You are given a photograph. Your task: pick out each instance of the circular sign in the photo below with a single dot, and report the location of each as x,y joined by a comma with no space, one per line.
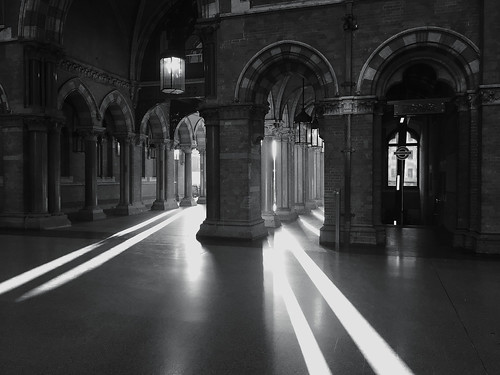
402,152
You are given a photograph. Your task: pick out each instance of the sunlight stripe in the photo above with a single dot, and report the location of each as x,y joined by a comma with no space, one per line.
315,361
377,352
318,215
310,227
25,277
97,261
32,274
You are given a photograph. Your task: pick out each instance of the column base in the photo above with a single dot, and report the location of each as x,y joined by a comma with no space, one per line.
327,236
128,209
247,231
169,204
482,243
286,214
34,221
271,220
311,205
187,202
361,235
319,203
202,200
301,209
91,214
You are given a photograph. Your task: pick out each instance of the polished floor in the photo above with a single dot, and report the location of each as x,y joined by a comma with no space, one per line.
140,295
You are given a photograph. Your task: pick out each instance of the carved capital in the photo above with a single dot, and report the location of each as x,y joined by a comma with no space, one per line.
271,128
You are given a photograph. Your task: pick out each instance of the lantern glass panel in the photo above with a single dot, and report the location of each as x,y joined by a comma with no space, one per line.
172,75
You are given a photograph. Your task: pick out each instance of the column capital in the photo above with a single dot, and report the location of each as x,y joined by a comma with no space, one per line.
467,101
42,123
186,149
139,139
125,137
159,141
90,133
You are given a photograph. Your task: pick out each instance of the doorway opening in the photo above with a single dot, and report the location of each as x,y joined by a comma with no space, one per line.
421,151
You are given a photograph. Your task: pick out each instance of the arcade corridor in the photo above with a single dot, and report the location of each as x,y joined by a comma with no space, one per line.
140,295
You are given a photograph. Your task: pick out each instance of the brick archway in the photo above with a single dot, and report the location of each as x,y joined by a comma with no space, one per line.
43,19
256,79
455,50
158,119
120,110
87,111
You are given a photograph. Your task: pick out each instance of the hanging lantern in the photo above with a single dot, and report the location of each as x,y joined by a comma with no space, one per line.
316,140
302,124
151,151
303,128
172,72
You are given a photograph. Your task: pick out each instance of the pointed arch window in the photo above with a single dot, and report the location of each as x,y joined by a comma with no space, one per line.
411,163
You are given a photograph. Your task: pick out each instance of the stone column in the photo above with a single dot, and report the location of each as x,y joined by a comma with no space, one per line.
159,203
284,175
300,169
136,153
345,159
188,199
212,124
14,160
310,176
54,176
124,204
485,156
170,202
38,168
271,220
379,148
202,199
91,211
318,198
241,128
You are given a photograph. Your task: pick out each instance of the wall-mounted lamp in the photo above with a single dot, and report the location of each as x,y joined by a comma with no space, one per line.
350,22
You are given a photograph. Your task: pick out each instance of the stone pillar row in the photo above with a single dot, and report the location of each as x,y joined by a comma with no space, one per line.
33,198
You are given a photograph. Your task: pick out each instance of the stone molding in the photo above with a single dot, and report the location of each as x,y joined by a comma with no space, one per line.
95,74
347,105
489,95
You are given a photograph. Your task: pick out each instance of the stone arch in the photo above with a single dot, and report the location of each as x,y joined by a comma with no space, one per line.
43,19
454,52
280,58
157,117
84,102
200,134
4,102
184,134
120,111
